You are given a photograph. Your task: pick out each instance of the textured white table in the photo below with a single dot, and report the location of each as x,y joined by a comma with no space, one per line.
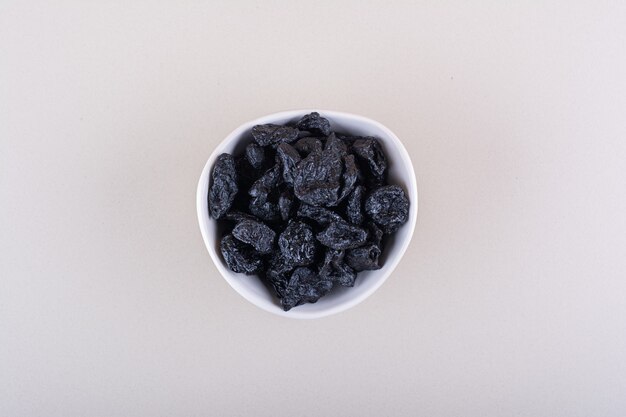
510,302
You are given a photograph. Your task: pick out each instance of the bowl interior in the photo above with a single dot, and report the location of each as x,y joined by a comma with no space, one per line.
340,298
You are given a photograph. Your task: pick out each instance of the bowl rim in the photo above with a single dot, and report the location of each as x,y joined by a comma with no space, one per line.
203,216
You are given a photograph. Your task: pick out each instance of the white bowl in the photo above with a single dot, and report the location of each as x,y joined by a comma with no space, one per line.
340,298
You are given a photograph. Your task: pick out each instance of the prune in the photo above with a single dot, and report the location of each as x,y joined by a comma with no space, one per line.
341,235
278,273
388,207
305,286
314,123
255,155
372,158
297,243
375,234
271,134
288,158
363,258
237,216
319,214
267,183
317,179
313,219
240,257
224,187
335,146
285,204
335,269
256,234
350,175
354,207
307,145
264,209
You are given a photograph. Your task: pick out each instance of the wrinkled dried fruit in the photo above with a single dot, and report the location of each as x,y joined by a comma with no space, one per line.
317,179
307,145
224,187
237,216
371,158
315,124
285,205
278,273
335,269
388,206
341,235
375,234
319,214
350,175
297,243
335,146
240,257
288,158
305,286
255,155
364,258
271,134
256,234
354,207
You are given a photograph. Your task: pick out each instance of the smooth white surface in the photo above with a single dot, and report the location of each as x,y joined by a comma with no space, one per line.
400,172
509,302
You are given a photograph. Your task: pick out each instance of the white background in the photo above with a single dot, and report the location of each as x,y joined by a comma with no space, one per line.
511,300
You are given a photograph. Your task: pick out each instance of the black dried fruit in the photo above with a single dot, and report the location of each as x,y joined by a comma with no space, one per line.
320,215
341,235
307,145
256,234
271,134
350,175
335,146
314,123
255,155
240,257
388,207
354,207
285,204
372,158
305,286
288,158
312,220
297,243
363,258
278,273
317,179
237,216
223,187
335,269
375,234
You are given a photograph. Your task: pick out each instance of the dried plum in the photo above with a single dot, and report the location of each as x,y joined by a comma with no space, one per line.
363,258
388,207
317,179
354,207
307,145
319,214
240,257
335,269
375,234
224,187
285,204
255,155
271,134
372,158
237,216
297,243
350,175
314,123
278,273
341,235
288,158
256,234
305,286
335,146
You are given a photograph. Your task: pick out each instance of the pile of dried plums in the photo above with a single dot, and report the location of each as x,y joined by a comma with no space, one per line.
305,208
